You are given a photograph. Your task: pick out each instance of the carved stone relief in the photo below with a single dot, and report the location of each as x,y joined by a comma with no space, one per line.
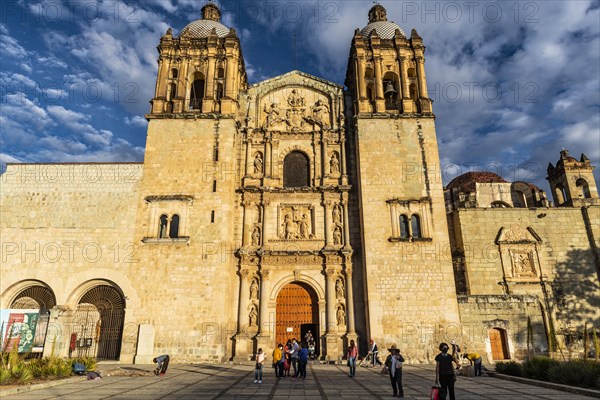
522,263
258,164
294,113
253,316
334,164
256,236
296,222
339,288
337,235
254,289
341,315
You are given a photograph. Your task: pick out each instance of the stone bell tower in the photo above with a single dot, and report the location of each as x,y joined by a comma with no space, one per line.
405,253
200,71
572,182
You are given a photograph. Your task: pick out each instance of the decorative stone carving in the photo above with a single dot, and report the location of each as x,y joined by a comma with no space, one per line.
337,214
334,164
337,236
292,260
341,315
295,118
273,116
515,234
320,114
522,263
253,316
258,163
256,236
339,288
254,290
297,222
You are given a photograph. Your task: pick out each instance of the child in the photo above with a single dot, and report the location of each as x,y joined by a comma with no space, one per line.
163,364
260,359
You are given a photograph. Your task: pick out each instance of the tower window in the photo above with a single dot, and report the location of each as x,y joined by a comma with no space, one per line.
404,230
584,188
174,228
172,91
162,226
220,73
411,73
296,167
560,195
174,73
413,91
197,92
415,226
212,217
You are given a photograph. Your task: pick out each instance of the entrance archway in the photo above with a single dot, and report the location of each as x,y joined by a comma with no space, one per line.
499,344
297,311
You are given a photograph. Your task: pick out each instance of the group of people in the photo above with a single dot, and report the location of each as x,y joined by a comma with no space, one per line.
293,355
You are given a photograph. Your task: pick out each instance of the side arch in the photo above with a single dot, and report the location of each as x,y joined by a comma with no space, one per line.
313,283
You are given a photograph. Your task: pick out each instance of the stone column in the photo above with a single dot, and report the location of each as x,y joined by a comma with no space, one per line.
395,221
421,77
346,221
350,302
268,157
246,221
403,78
230,63
264,205
248,155
323,158
378,78
264,333
331,300
242,337
362,88
327,218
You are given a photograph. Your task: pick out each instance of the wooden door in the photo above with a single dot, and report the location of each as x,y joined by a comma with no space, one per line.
296,305
498,343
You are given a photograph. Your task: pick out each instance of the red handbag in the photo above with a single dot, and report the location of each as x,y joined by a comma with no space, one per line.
435,393
286,365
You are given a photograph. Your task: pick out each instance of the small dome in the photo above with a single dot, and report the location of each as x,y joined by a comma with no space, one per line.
466,182
378,22
201,28
385,29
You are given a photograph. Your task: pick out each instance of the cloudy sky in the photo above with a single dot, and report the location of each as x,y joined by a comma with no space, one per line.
513,82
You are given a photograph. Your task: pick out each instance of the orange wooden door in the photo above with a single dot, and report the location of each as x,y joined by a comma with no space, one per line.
296,305
498,343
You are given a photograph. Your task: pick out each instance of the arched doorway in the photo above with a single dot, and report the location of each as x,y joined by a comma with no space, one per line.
37,297
98,324
297,312
499,344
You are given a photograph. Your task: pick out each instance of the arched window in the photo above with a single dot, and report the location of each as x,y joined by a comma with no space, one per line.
559,193
220,73
520,200
404,230
197,92
415,226
584,188
390,88
413,91
174,73
162,226
411,73
174,228
296,167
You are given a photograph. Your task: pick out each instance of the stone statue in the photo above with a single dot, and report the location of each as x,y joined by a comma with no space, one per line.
321,114
334,164
253,316
273,115
254,289
258,163
339,288
289,227
295,100
256,236
303,224
341,315
337,215
337,236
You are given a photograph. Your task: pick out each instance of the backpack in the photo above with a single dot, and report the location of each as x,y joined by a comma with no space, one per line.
78,369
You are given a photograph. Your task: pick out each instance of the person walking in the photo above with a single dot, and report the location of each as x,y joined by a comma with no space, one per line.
294,356
278,359
258,370
476,362
302,361
352,354
393,362
163,364
373,352
444,372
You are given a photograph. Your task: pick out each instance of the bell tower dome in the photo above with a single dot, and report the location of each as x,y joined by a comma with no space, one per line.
202,70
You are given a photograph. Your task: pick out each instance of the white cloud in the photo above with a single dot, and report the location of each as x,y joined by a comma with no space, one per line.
9,46
136,121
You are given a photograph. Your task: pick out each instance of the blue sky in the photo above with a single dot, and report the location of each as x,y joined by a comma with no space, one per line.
513,82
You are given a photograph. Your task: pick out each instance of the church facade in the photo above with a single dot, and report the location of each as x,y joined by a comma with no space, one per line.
265,211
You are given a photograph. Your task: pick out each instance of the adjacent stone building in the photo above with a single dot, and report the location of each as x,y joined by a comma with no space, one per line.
264,211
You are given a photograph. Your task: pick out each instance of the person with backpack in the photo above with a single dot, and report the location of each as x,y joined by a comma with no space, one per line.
445,375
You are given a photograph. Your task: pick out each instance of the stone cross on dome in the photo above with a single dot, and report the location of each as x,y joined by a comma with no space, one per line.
377,13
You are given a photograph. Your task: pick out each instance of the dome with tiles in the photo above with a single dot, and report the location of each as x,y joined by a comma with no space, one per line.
201,28
378,22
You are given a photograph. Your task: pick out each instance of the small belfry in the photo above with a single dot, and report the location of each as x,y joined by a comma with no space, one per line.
386,70
202,70
572,182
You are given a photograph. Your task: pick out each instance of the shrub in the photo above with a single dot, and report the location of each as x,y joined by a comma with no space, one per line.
538,367
577,373
509,368
4,375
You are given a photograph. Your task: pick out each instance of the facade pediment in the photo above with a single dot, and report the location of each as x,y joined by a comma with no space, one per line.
294,102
